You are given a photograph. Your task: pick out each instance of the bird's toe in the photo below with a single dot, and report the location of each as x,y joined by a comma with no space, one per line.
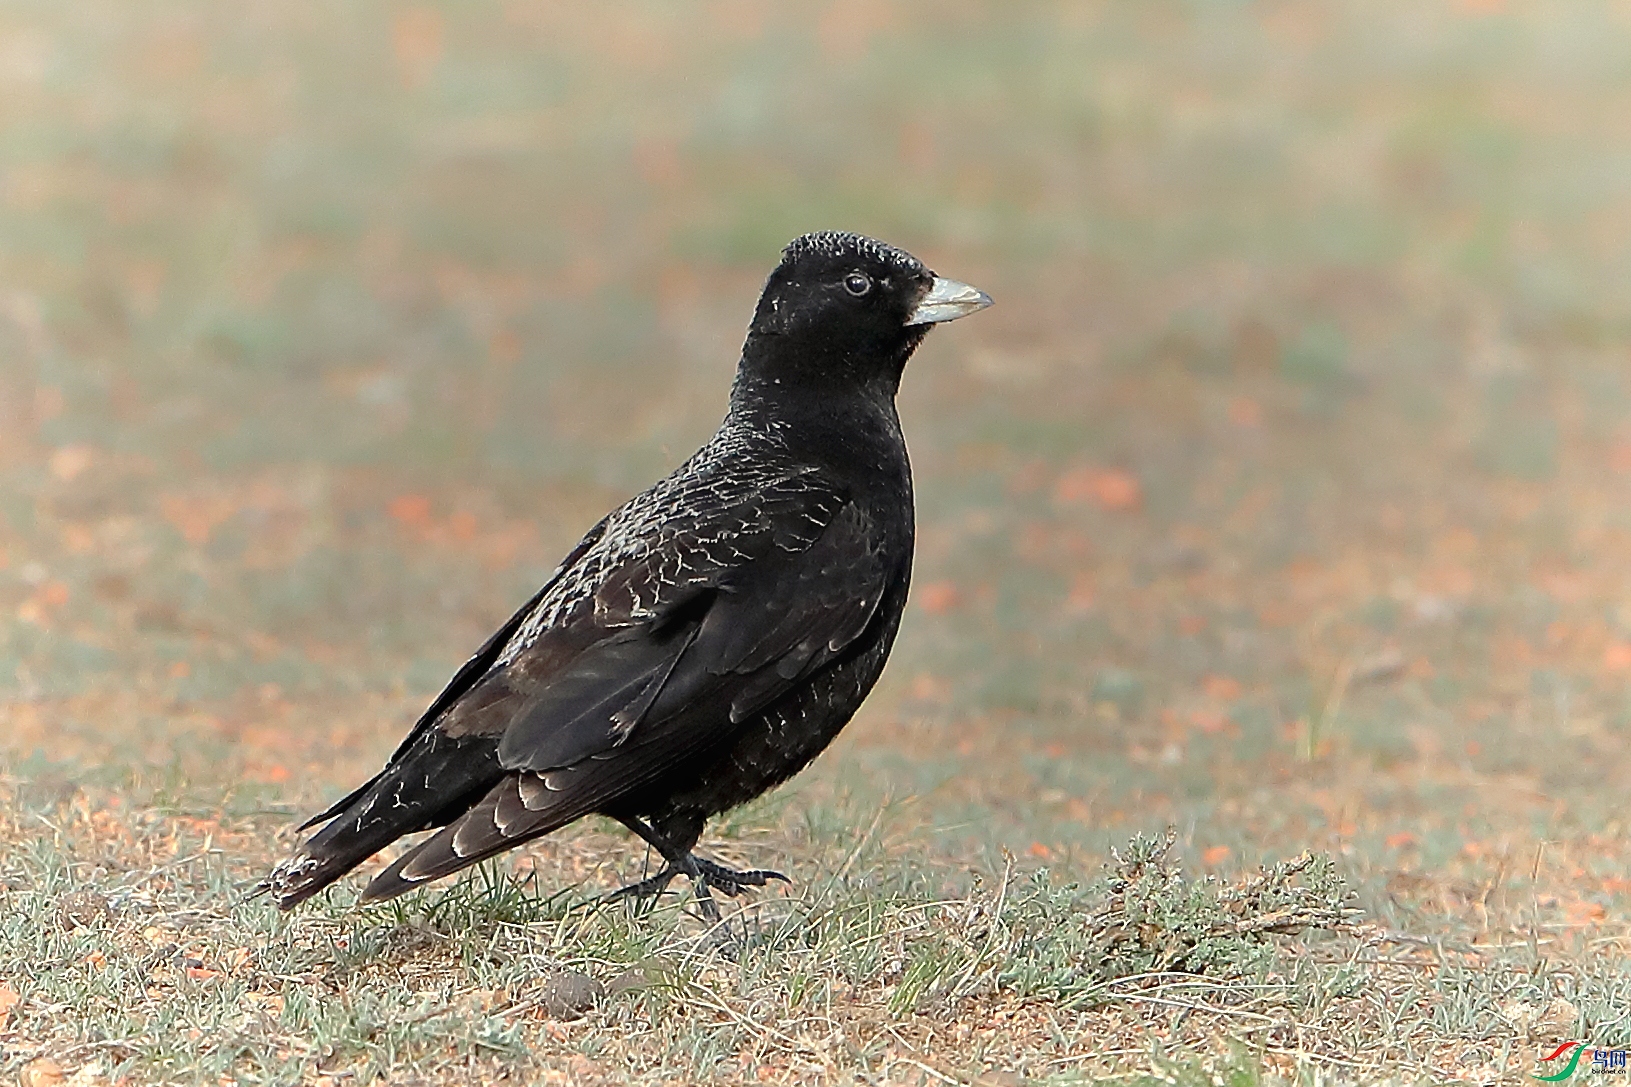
733,882
646,888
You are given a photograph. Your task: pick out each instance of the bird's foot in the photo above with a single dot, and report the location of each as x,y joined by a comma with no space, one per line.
707,875
704,875
646,888
729,880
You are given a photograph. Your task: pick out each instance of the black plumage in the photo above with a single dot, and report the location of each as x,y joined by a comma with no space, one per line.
705,640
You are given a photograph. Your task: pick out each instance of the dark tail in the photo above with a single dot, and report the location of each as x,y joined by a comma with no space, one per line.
521,807
517,810
430,784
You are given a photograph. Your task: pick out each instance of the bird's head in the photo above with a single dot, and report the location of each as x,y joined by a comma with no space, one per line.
845,306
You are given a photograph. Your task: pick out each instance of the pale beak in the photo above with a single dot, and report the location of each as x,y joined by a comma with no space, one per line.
948,300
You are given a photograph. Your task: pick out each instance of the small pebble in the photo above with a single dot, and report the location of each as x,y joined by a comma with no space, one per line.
83,909
570,993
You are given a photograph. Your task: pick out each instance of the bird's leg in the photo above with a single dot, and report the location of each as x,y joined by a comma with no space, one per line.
650,887
645,888
678,862
703,873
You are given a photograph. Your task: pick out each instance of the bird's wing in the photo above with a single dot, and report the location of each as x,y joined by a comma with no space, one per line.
740,600
677,644
746,625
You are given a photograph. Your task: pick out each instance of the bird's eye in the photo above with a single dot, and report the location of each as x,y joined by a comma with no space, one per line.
857,284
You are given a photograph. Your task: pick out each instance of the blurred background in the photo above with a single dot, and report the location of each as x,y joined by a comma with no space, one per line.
1283,494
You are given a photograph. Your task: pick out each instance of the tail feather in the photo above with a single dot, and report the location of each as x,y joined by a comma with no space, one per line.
429,785
518,809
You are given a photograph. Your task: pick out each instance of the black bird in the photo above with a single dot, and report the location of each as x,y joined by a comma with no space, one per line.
709,637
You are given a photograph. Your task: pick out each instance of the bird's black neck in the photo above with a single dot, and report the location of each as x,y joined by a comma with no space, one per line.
820,365
840,425
826,403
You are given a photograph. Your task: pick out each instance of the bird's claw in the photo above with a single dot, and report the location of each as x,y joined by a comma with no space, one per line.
646,888
705,874
731,881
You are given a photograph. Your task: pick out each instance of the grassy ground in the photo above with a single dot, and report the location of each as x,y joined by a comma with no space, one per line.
1281,500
